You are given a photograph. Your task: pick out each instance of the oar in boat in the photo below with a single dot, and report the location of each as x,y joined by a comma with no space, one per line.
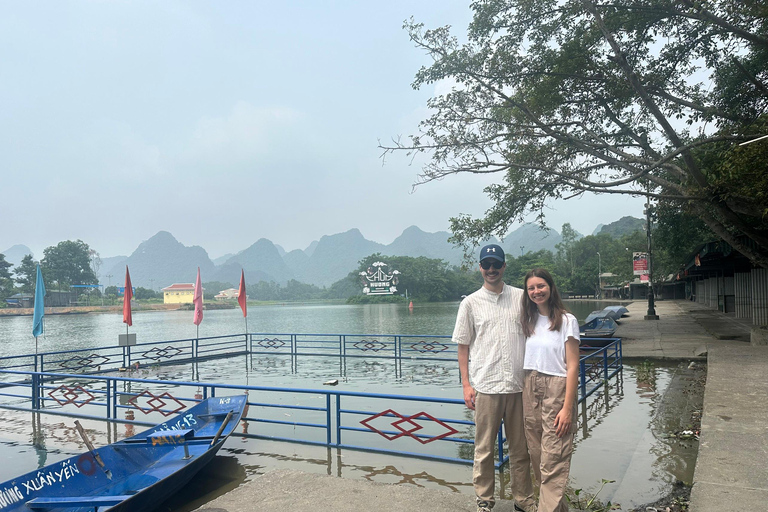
95,455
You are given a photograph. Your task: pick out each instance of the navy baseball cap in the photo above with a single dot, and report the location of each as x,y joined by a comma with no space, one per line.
492,251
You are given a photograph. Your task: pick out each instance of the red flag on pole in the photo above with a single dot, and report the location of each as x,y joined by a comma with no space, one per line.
241,296
127,296
198,300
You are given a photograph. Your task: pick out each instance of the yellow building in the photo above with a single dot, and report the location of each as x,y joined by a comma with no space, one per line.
179,293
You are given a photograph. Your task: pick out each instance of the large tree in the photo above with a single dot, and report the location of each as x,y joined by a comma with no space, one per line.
26,274
639,97
68,263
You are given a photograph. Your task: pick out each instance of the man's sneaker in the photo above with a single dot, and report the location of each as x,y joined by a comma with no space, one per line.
532,508
483,506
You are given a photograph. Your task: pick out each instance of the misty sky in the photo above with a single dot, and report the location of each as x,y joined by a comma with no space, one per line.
223,122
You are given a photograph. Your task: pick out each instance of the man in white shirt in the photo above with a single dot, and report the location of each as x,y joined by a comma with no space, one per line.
491,348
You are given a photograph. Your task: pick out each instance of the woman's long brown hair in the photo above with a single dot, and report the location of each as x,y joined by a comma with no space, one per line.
531,311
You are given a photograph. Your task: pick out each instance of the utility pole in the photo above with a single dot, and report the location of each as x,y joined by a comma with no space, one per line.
599,279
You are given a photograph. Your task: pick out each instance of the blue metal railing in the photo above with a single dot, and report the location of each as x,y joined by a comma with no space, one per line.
425,432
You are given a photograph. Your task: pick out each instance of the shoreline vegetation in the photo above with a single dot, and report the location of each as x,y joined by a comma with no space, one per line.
152,306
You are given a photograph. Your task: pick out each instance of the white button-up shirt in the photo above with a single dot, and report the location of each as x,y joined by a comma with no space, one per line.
490,324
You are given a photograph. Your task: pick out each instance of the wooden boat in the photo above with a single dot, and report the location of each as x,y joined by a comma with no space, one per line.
602,327
132,475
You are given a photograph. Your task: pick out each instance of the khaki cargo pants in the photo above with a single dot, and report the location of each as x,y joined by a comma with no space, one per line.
489,411
543,398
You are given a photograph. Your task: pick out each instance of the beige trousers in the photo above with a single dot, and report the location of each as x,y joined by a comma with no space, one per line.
489,411
543,398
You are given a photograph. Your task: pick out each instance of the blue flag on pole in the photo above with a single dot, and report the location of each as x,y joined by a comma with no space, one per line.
37,319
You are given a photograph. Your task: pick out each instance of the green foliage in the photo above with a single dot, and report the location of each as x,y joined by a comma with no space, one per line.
575,266
6,283
562,98
293,291
676,234
145,294
68,263
26,274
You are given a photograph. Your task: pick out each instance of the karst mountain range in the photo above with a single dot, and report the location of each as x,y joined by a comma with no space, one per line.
162,260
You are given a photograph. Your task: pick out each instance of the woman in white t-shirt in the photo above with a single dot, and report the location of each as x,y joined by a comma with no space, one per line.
551,381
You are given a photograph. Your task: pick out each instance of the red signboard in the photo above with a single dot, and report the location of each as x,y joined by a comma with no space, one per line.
640,263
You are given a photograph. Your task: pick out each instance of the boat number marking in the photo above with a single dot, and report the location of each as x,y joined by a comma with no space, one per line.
224,401
183,423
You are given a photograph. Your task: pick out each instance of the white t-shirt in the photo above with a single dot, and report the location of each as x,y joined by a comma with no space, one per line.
545,349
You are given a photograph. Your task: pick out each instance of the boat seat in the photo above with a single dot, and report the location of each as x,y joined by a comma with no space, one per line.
75,501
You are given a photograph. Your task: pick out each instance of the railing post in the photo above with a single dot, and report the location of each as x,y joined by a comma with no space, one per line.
338,419
605,364
109,399
114,399
35,391
328,419
128,356
583,377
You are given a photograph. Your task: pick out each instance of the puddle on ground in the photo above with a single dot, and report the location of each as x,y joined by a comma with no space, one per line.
630,433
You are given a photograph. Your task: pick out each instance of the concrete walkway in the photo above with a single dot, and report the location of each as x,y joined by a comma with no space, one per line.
731,472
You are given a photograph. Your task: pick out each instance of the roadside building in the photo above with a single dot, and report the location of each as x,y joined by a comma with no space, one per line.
179,293
720,277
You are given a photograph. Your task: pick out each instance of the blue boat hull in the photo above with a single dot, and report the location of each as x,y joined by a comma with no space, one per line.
138,473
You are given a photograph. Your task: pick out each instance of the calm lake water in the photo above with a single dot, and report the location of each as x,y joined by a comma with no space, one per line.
63,332
623,436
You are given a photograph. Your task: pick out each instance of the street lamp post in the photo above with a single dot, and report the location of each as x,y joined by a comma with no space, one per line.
599,278
651,315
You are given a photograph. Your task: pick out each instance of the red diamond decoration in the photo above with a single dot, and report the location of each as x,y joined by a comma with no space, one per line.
156,403
410,431
71,395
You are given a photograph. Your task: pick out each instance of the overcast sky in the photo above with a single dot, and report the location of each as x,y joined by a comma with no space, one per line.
222,122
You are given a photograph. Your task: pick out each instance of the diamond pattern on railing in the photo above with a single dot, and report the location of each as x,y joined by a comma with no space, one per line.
78,362
426,346
274,343
372,345
159,353
411,426
77,395
153,403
